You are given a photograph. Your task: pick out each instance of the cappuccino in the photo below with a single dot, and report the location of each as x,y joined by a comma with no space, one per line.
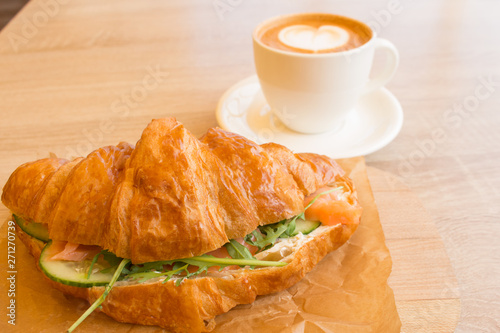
313,33
308,81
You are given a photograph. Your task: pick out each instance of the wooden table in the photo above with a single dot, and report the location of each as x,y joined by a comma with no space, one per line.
76,75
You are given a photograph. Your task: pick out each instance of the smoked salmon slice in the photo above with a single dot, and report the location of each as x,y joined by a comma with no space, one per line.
73,252
332,208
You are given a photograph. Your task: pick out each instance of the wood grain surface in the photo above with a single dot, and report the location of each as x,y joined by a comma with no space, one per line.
424,284
76,75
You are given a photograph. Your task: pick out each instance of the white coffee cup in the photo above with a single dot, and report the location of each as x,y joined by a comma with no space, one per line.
311,91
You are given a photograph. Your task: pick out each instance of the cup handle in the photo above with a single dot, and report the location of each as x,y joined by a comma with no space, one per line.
390,67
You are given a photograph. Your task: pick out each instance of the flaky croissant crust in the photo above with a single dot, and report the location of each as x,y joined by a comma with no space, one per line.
170,197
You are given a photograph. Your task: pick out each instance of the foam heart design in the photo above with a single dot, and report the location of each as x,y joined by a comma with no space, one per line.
309,38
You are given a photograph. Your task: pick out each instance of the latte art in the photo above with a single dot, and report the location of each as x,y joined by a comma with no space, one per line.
313,39
313,33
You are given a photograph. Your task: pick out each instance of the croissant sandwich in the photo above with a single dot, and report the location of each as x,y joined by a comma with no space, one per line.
177,230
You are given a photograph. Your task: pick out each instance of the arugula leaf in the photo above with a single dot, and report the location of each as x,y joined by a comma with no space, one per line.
111,258
259,238
155,269
238,251
203,266
145,275
266,235
272,232
149,266
230,261
291,228
94,260
101,299
112,268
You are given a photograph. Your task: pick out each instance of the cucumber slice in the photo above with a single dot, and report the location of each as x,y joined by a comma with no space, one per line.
34,229
305,226
74,273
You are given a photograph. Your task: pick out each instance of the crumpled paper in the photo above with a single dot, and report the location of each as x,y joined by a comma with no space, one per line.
346,292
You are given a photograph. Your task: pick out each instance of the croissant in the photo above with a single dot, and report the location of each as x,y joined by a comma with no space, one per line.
175,196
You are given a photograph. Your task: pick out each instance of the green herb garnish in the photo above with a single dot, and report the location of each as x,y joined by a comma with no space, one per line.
94,260
113,260
145,275
101,299
238,251
265,236
156,269
229,262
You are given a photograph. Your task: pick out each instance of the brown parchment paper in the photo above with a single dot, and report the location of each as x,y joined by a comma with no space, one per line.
346,292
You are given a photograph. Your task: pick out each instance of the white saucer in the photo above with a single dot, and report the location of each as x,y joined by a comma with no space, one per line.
374,123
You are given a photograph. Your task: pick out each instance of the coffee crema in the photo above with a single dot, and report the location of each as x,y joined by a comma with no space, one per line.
313,33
